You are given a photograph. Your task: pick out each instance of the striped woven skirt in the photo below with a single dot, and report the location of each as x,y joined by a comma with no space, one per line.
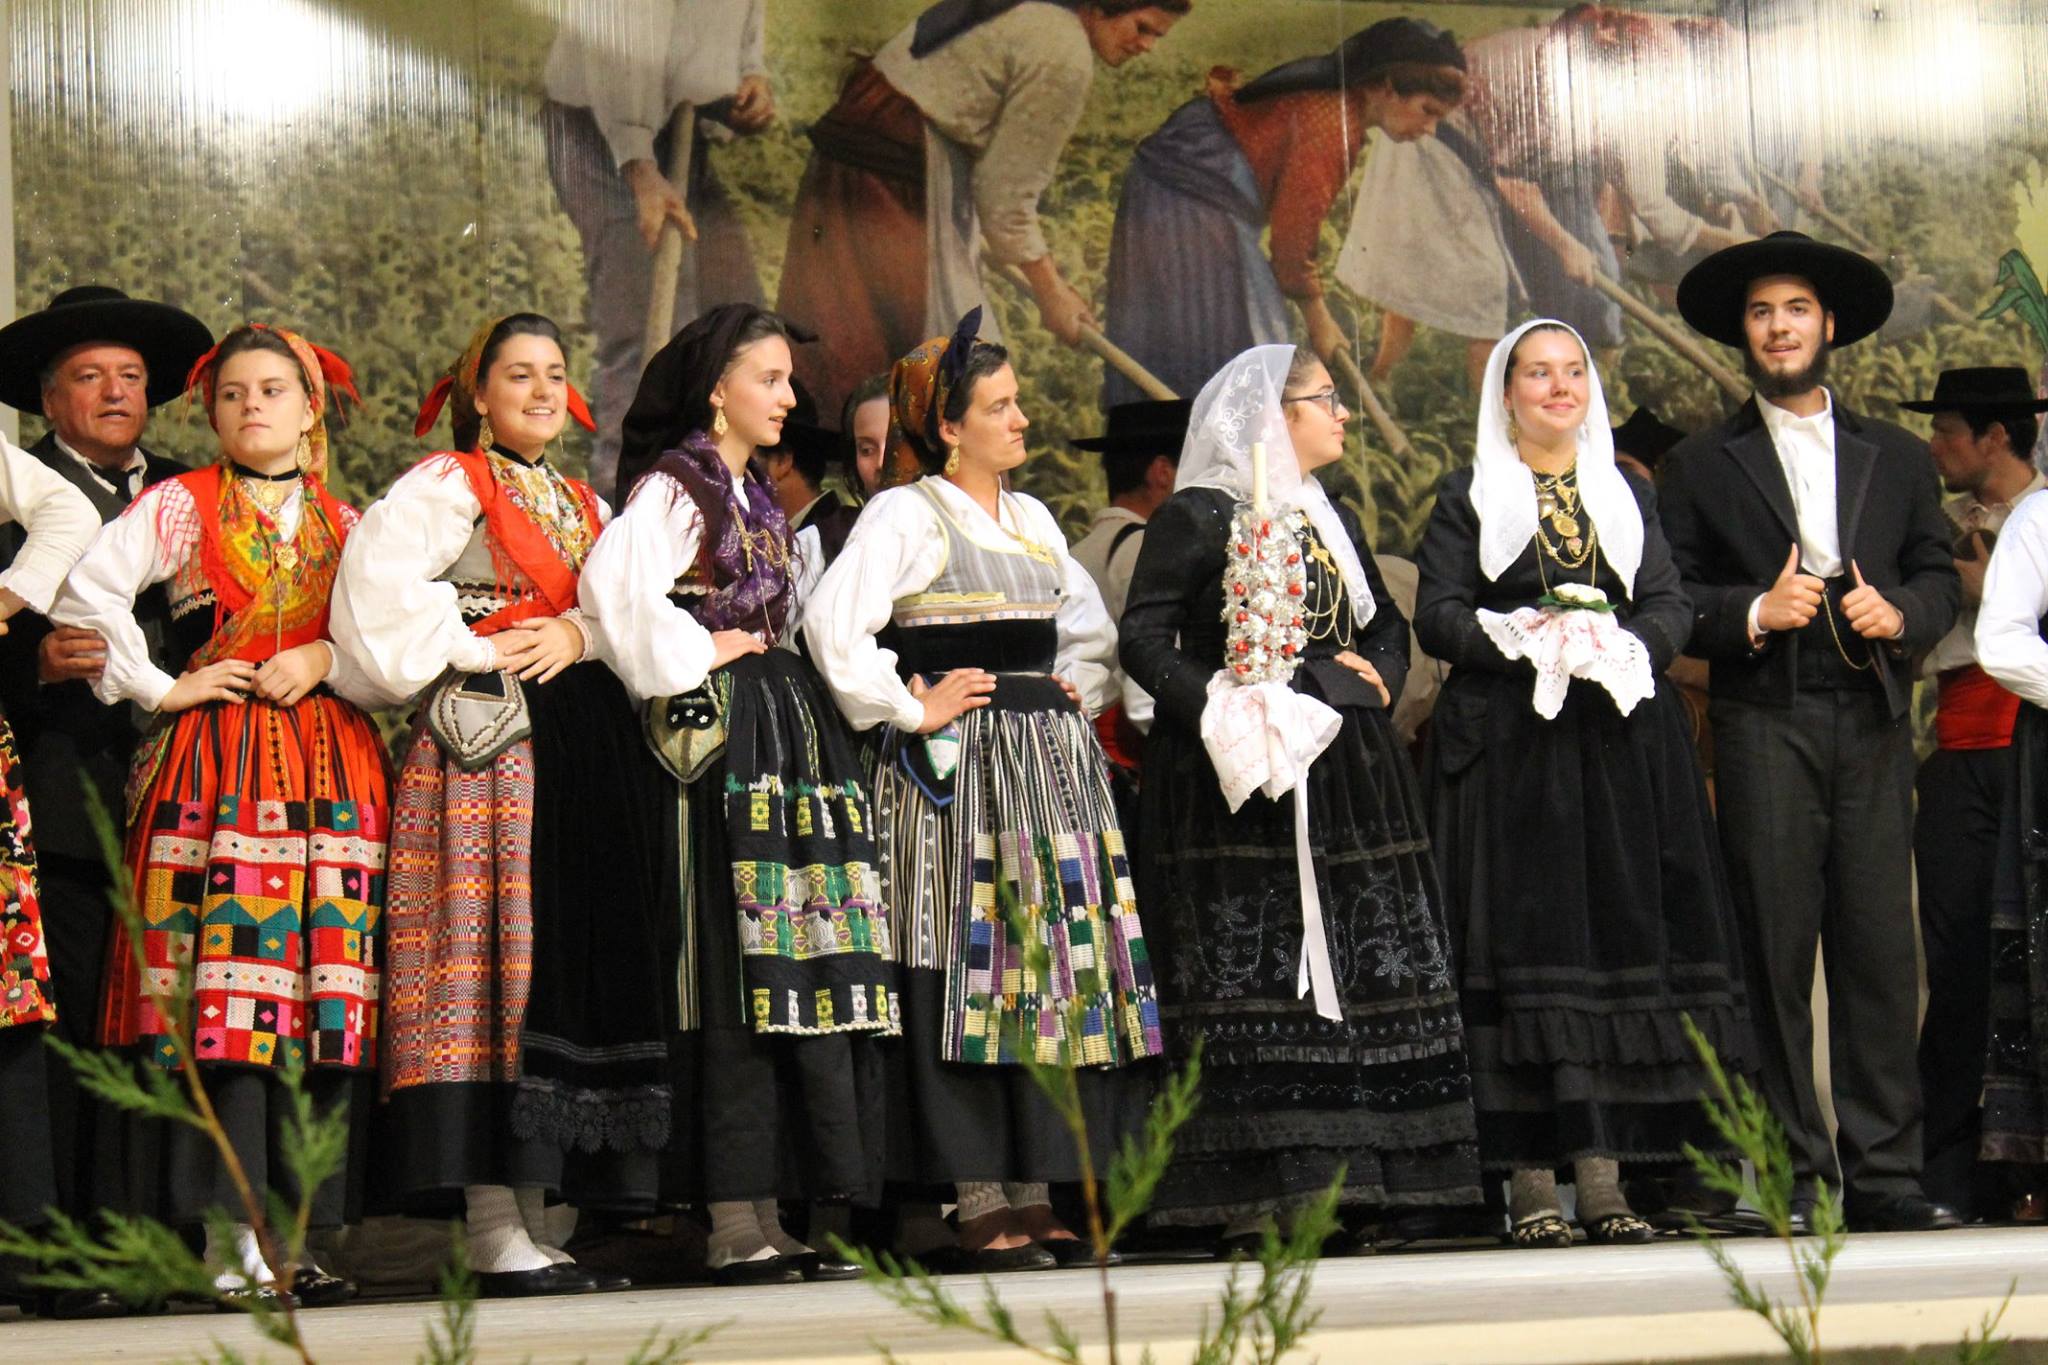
25,996
1013,834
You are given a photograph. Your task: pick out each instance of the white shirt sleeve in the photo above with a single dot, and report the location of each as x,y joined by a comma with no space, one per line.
2009,643
1043,104
656,648
1087,648
59,520
152,540
400,626
896,549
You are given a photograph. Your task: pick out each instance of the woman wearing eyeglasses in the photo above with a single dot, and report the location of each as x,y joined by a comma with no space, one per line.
1299,935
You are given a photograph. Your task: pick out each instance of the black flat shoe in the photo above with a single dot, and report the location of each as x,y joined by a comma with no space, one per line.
1899,1213
564,1278
607,1281
86,1305
1074,1251
767,1270
990,1261
818,1268
318,1289
1619,1230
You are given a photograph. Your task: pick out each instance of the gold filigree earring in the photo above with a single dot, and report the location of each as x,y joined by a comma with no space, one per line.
719,425
952,460
305,456
485,437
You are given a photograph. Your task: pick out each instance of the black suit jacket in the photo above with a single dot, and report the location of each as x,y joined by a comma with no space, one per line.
1728,514
62,730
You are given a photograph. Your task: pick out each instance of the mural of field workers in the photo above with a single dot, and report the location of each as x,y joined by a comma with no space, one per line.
1177,179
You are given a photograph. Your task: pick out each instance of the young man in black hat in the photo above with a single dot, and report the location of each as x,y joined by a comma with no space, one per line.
1985,421
1812,543
92,364
1140,455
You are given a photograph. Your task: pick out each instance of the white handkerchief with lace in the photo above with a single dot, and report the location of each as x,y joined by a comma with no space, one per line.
1566,644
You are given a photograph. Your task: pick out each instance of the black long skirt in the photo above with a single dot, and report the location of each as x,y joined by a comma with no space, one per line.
2016,1067
1589,915
1288,1098
762,1114
592,1034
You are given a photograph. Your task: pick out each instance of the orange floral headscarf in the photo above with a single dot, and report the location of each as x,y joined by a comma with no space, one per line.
324,373
919,385
458,382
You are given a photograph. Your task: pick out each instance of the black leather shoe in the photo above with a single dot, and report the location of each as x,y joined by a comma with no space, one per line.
818,1268
1900,1213
1070,1252
607,1281
990,1261
767,1270
318,1289
564,1278
84,1305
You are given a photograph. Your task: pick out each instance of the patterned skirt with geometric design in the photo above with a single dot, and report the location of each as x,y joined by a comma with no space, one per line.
256,842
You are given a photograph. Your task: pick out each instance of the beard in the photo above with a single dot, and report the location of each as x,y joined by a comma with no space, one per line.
1777,387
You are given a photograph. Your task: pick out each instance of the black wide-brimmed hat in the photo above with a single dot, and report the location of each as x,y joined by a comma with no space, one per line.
815,448
1151,427
1983,388
168,339
1646,436
1713,293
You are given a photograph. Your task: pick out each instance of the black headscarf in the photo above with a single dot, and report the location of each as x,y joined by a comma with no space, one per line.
674,397
1358,58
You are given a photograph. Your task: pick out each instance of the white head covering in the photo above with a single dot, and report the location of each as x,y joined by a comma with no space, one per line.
1239,407
1504,491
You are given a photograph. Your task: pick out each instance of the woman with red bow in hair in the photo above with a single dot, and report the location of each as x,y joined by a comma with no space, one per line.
259,802
524,1052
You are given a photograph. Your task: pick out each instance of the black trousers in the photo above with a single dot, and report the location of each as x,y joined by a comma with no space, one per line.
62,1146
1816,815
1955,850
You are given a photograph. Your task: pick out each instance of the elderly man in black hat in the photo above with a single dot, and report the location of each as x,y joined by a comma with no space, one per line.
1812,543
1984,424
92,364
1140,452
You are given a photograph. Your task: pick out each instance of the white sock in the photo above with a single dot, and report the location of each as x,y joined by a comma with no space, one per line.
240,1258
735,1235
1028,1196
768,1217
533,1216
979,1198
560,1223
498,1243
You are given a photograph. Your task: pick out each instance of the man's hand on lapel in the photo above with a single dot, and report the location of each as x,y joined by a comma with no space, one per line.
1793,600
1868,614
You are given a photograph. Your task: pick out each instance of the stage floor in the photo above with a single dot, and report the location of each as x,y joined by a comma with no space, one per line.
1660,1302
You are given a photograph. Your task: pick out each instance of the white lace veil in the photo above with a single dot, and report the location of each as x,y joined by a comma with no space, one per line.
1504,491
1238,407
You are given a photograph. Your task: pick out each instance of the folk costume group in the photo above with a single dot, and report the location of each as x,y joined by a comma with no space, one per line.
743,838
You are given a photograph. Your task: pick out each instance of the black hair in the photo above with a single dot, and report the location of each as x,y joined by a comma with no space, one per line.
466,424
1408,79
1125,470
2022,429
873,387
982,361
1117,8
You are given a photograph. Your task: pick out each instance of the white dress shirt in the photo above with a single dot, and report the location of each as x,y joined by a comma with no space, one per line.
1966,514
128,476
2009,643
1806,452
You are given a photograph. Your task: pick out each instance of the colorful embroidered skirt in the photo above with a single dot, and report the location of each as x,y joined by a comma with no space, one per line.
256,841
815,947
25,996
525,982
1017,826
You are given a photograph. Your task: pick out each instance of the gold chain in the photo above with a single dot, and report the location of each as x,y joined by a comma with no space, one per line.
1322,611
1828,605
1557,508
